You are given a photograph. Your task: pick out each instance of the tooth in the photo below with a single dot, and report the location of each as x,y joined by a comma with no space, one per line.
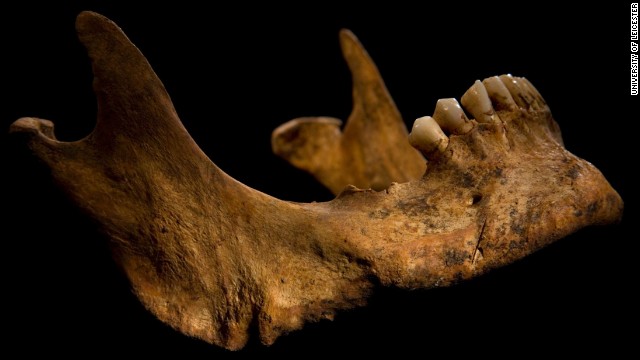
427,136
499,94
450,116
519,92
534,92
528,93
477,102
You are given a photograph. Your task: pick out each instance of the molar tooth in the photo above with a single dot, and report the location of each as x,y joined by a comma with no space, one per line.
427,136
450,116
499,94
477,102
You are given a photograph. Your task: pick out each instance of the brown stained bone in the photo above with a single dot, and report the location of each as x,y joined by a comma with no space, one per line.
372,152
218,260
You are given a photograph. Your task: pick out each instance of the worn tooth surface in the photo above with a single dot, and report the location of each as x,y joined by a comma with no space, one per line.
476,101
451,118
427,136
499,94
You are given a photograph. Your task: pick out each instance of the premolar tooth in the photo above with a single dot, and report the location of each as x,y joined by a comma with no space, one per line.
499,94
450,116
427,136
477,102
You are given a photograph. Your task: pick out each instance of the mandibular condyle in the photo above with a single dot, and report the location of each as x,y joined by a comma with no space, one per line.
465,192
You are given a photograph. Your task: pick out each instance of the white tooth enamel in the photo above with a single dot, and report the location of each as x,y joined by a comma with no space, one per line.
427,136
450,116
499,93
477,102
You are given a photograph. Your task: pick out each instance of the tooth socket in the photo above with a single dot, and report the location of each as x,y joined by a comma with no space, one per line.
427,136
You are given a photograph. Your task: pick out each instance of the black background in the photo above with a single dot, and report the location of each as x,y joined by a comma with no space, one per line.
234,75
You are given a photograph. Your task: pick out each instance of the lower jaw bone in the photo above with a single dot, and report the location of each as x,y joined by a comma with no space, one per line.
214,258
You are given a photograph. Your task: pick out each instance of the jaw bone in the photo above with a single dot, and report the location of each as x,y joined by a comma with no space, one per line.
218,260
371,152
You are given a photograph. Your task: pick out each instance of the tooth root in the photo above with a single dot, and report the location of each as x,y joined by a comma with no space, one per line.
519,92
477,102
427,136
451,118
499,94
